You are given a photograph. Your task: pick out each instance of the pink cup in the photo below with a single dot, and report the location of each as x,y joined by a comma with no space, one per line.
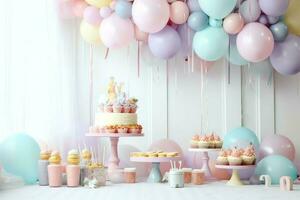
73,175
55,175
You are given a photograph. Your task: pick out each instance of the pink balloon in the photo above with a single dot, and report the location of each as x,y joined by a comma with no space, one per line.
79,7
116,32
91,15
277,144
112,4
150,16
166,145
255,42
124,155
233,23
179,12
105,12
140,35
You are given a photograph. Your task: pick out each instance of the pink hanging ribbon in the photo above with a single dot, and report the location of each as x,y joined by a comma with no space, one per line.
91,80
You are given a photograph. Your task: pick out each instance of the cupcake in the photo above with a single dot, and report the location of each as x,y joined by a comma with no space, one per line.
134,129
248,156
222,158
217,141
108,108
55,158
235,157
122,129
126,108
194,141
117,108
73,157
110,129
133,107
45,155
203,142
211,139
140,129
86,155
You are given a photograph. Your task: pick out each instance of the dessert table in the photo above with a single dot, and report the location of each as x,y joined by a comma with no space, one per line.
151,191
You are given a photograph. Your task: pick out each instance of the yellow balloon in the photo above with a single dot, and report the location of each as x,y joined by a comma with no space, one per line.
90,33
99,3
292,17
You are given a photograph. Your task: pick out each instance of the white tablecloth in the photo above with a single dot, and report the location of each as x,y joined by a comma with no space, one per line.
149,191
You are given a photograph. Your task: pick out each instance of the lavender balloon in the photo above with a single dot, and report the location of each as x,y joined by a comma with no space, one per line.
285,58
193,5
274,7
186,35
250,10
263,19
165,43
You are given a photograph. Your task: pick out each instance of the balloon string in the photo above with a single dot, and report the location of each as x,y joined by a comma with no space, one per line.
106,53
91,87
138,59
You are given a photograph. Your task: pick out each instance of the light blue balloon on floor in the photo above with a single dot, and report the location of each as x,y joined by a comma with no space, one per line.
123,9
276,166
240,137
19,155
211,43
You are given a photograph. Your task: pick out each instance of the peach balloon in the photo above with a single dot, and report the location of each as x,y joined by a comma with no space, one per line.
112,5
220,174
79,7
179,12
233,23
140,35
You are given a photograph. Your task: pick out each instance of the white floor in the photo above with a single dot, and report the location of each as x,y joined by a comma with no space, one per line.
145,191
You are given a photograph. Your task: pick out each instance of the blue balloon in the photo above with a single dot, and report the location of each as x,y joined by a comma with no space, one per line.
272,19
123,9
279,31
240,137
276,166
19,155
193,5
198,21
233,55
217,9
211,43
215,22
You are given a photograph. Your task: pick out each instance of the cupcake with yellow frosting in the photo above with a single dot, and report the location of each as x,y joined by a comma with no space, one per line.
45,155
55,158
73,157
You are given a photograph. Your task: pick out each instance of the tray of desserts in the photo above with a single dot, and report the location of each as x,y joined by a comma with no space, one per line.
237,156
154,156
208,141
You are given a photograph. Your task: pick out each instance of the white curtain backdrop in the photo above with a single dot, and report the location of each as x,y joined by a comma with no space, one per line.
39,74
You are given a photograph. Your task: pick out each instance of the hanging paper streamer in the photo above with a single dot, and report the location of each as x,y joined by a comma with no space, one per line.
106,53
91,80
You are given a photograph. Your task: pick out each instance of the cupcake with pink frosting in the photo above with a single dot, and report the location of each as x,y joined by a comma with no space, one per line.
249,156
222,158
194,141
217,141
117,108
203,142
108,108
235,157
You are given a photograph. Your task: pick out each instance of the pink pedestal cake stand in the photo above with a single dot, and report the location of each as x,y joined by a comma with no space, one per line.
235,177
114,140
205,158
155,174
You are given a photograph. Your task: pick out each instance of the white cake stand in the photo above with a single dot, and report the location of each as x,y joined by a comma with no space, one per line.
114,140
235,177
205,159
155,174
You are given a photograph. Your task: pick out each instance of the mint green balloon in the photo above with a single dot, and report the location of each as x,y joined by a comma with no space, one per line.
240,137
19,155
233,55
276,166
211,43
217,9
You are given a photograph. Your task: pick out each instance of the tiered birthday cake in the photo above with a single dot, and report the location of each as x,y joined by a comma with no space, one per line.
117,114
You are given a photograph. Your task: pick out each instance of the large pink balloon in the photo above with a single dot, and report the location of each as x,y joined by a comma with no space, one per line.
150,16
166,145
255,42
116,32
79,7
277,144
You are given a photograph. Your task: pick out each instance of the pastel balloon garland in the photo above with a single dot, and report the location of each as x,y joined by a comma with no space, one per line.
242,30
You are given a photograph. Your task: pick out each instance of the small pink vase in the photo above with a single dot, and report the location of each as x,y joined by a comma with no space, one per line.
55,175
73,175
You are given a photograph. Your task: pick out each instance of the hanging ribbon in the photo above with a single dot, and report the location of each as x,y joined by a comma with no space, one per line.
106,53
91,80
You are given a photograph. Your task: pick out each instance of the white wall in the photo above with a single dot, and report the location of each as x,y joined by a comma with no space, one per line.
170,96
